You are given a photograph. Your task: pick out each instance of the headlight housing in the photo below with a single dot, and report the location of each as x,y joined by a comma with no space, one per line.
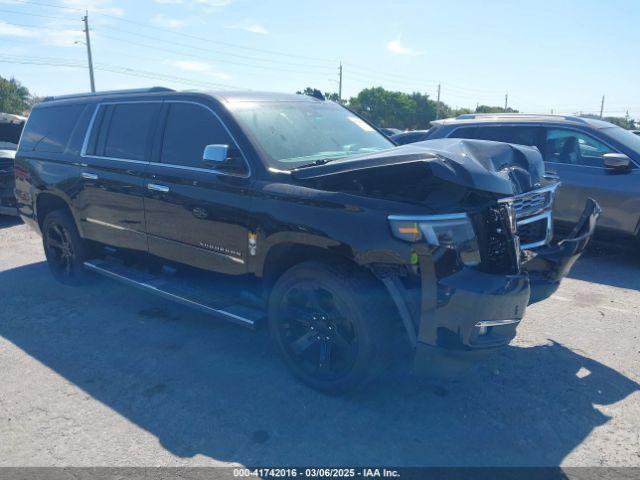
451,231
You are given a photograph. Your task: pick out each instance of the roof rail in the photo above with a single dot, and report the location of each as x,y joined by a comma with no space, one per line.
473,116
109,92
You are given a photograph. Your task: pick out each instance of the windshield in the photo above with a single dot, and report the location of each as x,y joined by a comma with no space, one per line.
291,134
627,138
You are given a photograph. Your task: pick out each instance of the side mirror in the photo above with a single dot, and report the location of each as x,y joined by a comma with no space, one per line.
215,154
616,161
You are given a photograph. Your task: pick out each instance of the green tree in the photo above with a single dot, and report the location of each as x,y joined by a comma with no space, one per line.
490,109
386,108
14,97
334,97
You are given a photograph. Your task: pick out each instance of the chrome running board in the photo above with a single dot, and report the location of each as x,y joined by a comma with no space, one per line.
167,288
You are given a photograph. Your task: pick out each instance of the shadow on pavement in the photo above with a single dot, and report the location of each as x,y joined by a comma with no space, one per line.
205,387
7,221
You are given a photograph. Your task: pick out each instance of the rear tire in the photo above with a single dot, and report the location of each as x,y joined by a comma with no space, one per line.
332,325
65,250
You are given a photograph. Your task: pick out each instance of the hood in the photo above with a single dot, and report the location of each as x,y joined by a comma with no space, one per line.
495,167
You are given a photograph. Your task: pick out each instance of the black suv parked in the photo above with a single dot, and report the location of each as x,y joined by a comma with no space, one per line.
258,206
593,159
10,130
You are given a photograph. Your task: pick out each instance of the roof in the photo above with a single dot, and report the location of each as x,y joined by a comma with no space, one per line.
476,118
251,96
222,96
11,118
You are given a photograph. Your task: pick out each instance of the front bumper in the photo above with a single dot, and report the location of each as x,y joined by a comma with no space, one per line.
468,314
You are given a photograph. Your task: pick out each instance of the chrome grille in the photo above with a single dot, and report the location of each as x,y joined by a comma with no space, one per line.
532,203
533,215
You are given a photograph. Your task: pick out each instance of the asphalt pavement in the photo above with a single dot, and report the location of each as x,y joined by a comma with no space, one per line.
106,375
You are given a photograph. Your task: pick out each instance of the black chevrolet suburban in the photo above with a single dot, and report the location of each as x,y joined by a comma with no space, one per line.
297,212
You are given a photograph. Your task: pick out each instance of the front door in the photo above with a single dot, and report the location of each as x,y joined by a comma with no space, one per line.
197,214
114,162
577,158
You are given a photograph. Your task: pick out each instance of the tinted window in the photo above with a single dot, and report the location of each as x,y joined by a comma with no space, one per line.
189,129
49,128
126,129
568,146
410,138
509,134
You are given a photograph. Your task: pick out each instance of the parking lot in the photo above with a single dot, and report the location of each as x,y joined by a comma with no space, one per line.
107,375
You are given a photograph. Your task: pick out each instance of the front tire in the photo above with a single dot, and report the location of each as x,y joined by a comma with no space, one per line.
331,324
64,248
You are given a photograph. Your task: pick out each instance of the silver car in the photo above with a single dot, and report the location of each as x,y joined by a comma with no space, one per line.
593,159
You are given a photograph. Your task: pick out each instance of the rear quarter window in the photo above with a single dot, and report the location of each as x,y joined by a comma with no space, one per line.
49,128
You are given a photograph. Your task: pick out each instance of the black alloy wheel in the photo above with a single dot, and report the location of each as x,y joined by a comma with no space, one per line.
332,325
60,247
64,248
316,330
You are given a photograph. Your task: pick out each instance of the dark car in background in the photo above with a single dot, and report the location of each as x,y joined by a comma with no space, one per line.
389,132
593,158
412,136
10,130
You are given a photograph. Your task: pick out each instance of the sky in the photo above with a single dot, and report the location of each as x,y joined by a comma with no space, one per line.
559,56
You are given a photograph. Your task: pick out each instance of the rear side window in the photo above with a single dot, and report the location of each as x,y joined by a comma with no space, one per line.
518,135
124,130
189,129
49,128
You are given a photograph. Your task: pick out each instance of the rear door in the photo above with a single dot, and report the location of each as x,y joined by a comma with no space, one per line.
115,157
577,158
197,214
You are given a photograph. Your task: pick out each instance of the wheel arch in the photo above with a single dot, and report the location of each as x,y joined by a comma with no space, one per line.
47,202
282,257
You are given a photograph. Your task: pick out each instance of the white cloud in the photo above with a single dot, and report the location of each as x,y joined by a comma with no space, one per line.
198,67
62,38
161,20
169,2
214,3
98,6
396,47
9,30
252,27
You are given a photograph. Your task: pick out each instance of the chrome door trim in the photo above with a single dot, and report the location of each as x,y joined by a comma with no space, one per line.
158,188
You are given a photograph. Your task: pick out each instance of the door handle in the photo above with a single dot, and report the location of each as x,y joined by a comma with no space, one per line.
157,188
89,176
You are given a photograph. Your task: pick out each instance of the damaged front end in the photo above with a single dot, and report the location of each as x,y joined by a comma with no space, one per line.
481,252
468,312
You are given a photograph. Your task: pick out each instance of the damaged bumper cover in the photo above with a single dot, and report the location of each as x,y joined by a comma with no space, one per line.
465,315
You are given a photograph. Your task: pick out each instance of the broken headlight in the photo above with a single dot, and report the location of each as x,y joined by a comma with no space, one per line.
453,231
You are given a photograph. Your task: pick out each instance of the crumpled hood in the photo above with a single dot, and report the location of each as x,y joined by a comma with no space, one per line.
496,167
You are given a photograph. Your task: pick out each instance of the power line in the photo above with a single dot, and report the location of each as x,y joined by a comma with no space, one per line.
61,62
182,34
200,57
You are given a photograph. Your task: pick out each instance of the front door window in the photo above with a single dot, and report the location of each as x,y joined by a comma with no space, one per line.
576,148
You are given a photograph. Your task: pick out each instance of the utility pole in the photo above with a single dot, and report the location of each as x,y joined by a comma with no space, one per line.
438,104
340,83
85,19
506,101
602,107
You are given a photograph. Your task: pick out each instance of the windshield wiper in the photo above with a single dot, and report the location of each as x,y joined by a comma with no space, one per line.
315,163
